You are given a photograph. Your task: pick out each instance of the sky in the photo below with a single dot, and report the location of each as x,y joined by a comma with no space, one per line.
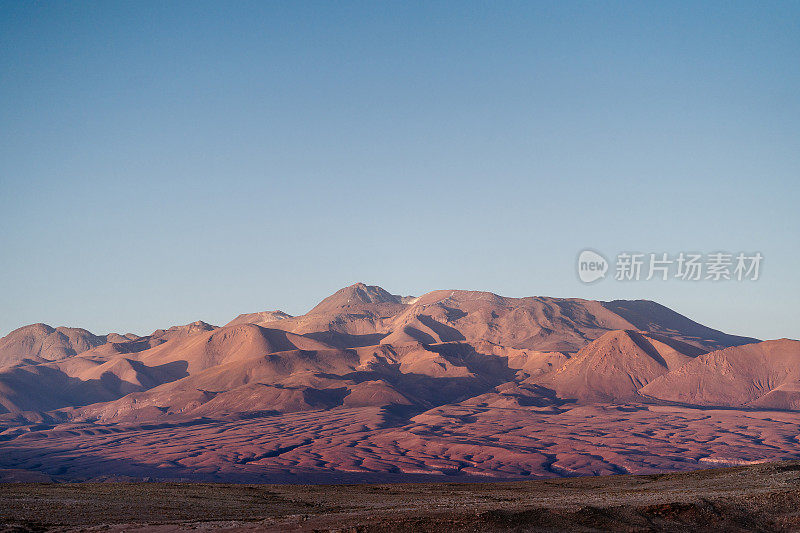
164,162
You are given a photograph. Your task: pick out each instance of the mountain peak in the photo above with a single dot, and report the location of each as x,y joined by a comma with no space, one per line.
355,297
260,317
614,366
197,325
45,342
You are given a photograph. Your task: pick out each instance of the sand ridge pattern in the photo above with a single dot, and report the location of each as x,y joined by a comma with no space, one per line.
353,445
371,386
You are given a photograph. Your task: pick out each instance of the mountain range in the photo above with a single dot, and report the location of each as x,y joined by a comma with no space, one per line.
405,358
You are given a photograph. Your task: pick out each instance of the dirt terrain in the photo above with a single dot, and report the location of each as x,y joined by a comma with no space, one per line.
763,497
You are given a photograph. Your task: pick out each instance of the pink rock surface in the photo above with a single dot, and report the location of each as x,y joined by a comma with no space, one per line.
371,385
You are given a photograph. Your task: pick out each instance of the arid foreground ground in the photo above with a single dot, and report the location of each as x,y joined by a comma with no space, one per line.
752,498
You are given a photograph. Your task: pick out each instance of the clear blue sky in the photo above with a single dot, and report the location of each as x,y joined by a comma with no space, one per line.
167,162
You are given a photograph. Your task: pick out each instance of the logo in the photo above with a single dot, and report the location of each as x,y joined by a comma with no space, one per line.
663,266
591,266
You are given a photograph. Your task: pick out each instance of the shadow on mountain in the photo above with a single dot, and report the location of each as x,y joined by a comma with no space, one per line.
647,347
443,331
346,340
462,354
44,388
325,398
398,415
541,397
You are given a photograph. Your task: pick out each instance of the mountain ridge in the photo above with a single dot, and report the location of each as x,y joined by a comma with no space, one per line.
424,351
